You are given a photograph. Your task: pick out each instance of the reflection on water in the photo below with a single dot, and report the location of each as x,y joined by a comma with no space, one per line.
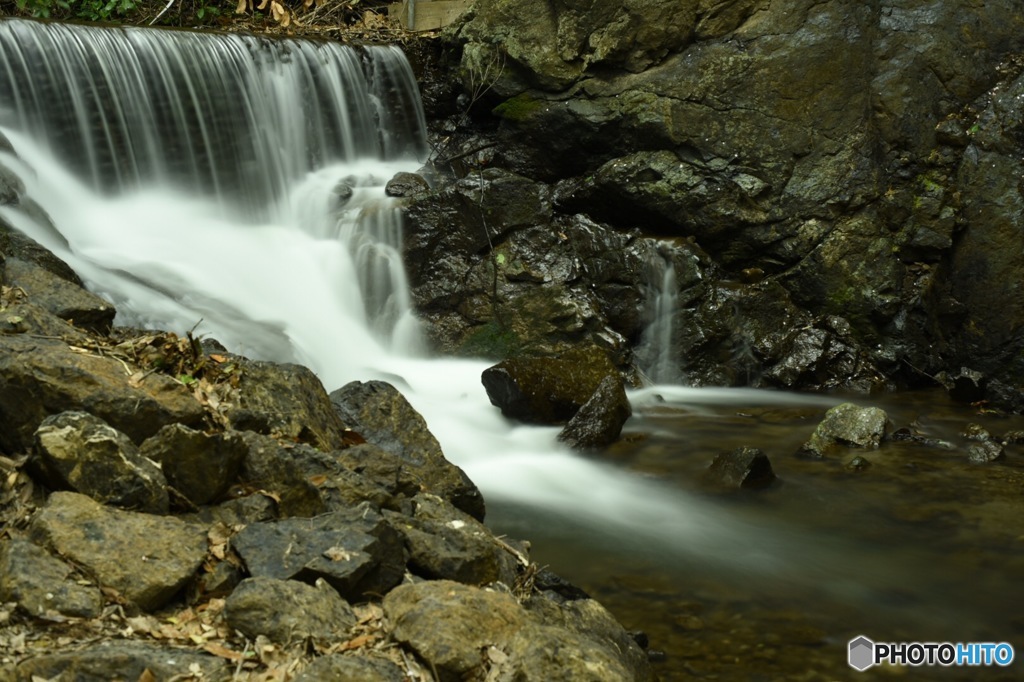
921,546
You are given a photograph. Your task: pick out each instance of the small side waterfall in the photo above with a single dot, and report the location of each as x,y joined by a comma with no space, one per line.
657,355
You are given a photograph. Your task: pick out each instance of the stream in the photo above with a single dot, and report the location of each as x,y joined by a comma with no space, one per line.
294,257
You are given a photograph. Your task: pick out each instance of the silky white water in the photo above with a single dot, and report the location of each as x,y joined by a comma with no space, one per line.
291,253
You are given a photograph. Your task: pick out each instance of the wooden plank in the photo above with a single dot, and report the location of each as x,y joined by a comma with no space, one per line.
428,15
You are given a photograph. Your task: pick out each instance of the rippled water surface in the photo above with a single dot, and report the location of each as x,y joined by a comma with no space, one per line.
921,546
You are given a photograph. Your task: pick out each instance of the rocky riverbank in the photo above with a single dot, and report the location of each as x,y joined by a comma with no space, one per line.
171,510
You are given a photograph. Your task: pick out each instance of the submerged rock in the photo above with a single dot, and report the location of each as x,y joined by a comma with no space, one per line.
986,451
846,426
742,468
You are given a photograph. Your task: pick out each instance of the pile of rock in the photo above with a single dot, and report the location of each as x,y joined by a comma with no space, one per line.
172,510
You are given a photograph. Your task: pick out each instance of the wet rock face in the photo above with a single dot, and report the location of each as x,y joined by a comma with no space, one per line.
856,154
599,421
848,426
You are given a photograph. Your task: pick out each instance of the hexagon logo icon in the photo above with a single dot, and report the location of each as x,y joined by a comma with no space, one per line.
862,653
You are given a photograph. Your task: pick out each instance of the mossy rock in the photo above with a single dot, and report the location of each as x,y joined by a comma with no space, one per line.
547,390
519,108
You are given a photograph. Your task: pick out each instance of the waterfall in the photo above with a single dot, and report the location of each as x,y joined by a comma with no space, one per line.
657,356
239,181
187,138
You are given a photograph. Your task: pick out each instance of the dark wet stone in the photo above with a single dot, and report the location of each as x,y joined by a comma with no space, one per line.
406,185
445,543
845,426
67,300
976,432
285,400
965,386
547,580
382,415
858,463
199,466
747,468
355,551
40,377
599,421
985,451
547,390
148,559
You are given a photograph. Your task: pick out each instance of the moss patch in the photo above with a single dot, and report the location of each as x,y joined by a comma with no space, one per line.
519,108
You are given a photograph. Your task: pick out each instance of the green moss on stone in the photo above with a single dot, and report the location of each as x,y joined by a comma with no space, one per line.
492,341
519,108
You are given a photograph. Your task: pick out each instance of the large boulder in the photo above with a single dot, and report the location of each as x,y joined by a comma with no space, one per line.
198,465
547,390
848,426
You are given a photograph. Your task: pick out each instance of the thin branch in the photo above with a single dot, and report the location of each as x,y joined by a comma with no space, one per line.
162,12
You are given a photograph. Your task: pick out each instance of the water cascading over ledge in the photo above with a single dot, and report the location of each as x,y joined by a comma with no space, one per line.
203,136
237,116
